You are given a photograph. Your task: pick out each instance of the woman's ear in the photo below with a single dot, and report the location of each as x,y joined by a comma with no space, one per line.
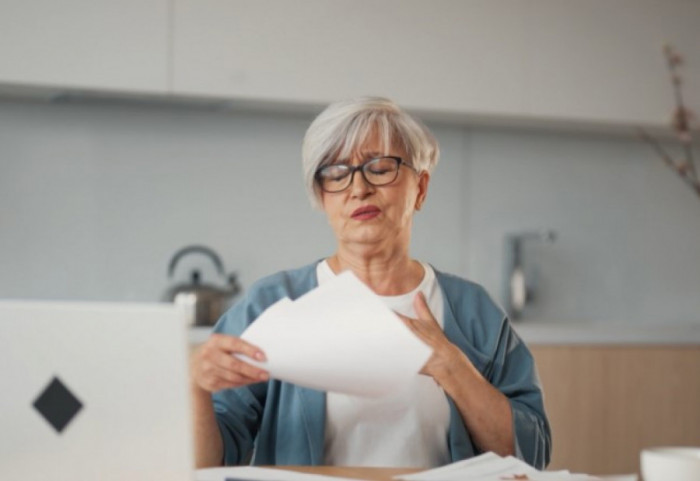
423,181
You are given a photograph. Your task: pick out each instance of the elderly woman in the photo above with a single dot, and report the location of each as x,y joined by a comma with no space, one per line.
367,164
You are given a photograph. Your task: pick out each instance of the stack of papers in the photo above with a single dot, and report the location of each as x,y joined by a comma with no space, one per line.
338,337
492,467
486,467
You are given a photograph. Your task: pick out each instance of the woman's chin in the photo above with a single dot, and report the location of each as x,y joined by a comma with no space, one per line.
371,238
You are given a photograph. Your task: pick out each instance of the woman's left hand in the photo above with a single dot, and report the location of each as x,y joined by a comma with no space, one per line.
486,411
446,356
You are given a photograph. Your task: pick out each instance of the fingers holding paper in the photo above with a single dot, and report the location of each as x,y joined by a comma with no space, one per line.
445,354
214,367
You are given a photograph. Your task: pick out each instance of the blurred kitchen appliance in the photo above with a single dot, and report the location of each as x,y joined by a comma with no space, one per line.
205,302
518,290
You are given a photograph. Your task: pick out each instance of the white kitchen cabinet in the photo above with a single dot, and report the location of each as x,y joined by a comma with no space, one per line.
546,62
90,44
541,62
602,61
433,56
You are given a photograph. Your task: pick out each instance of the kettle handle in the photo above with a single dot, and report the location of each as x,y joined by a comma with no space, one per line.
198,249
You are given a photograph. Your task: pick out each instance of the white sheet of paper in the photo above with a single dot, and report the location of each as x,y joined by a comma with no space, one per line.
492,467
443,472
253,473
338,337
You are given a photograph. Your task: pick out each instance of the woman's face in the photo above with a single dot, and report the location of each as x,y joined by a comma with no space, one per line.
367,214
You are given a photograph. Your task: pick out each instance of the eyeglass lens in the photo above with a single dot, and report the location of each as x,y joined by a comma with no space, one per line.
378,172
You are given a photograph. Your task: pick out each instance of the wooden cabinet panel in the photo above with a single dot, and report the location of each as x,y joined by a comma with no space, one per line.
606,404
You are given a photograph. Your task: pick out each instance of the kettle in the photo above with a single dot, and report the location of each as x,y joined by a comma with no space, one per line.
205,302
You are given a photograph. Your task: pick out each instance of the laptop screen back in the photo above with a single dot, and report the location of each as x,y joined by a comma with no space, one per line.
94,391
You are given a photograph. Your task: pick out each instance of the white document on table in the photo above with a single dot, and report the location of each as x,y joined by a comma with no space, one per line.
338,337
492,467
251,473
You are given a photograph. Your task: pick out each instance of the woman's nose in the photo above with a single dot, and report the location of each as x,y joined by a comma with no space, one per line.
359,187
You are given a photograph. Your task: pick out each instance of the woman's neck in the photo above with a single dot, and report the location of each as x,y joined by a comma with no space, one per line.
387,273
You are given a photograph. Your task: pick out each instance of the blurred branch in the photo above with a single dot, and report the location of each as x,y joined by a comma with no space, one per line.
681,169
683,121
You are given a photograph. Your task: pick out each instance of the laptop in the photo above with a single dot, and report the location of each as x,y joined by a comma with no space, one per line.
94,391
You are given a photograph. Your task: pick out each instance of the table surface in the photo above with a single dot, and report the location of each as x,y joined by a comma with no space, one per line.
386,474
369,474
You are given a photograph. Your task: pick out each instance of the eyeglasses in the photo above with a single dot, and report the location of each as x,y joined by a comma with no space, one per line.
378,172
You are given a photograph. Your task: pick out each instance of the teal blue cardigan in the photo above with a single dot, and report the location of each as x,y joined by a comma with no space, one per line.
283,424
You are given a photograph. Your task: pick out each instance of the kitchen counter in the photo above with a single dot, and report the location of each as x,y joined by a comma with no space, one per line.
198,335
553,333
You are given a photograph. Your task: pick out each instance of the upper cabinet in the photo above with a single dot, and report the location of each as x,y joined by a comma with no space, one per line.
595,63
90,44
602,61
447,56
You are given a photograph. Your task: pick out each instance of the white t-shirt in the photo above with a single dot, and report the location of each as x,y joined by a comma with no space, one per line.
404,429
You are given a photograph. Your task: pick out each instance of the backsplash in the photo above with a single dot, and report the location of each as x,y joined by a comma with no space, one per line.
94,199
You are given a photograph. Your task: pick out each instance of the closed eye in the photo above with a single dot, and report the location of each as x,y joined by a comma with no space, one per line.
334,172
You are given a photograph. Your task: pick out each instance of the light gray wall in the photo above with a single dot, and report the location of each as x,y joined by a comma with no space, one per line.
94,199
628,246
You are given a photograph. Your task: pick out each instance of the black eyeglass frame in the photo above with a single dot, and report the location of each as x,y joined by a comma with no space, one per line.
361,168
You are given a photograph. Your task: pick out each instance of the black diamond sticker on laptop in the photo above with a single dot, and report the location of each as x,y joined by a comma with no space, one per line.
57,405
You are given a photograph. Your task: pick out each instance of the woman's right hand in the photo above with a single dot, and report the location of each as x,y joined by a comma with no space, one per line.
214,367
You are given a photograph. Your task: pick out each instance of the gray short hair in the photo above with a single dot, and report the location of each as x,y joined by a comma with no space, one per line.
344,126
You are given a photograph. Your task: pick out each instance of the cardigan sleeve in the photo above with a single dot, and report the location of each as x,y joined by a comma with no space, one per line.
512,370
514,374
238,411
485,334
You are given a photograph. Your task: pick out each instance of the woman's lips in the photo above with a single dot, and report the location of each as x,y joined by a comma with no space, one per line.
365,212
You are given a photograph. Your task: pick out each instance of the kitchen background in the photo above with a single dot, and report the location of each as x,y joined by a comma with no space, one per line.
96,197
131,129
117,150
